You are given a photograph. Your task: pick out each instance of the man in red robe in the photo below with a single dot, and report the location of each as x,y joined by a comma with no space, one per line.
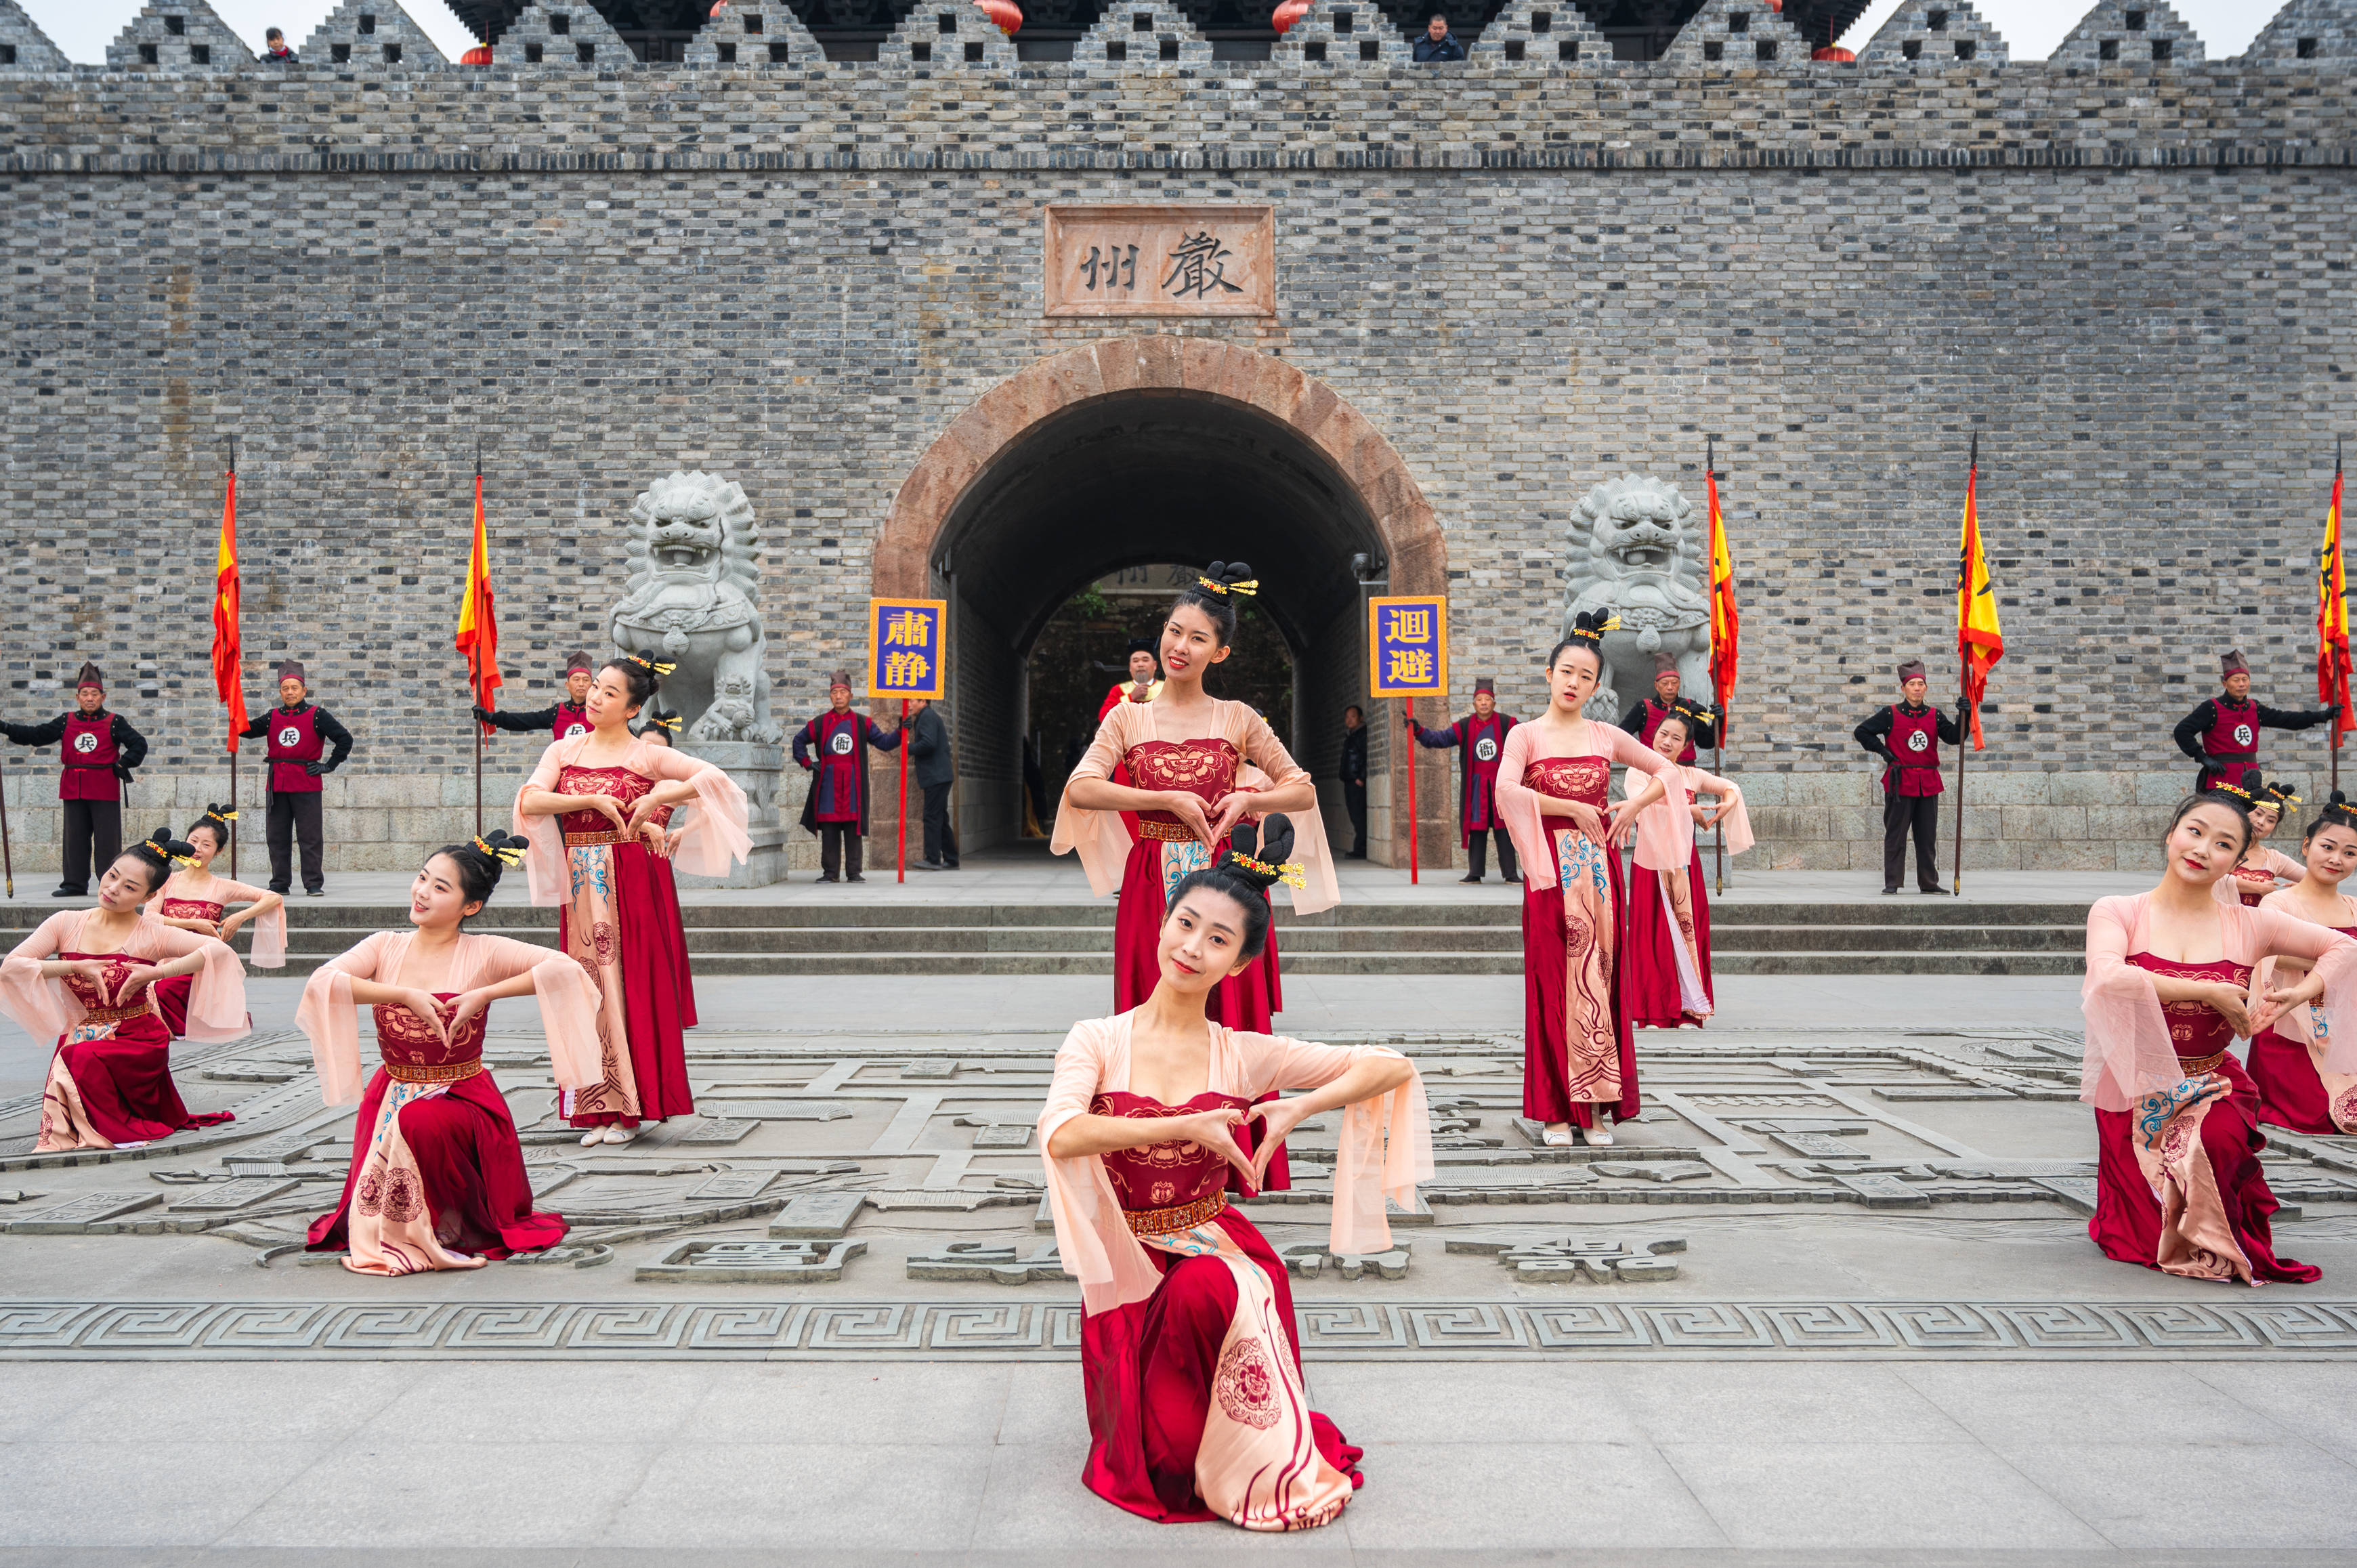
96,752
2222,734
1646,717
1482,736
1908,736
831,746
561,721
299,730
1145,670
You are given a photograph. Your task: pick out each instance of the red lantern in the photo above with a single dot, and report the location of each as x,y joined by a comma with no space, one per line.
1776,6
480,55
1839,57
718,6
1003,15
1288,13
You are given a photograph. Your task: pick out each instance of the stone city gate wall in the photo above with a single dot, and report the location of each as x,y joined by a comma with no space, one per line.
2131,283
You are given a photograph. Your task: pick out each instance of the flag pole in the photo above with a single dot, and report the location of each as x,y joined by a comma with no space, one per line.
1964,680
1414,870
7,854
240,681
2340,664
903,749
1718,732
474,698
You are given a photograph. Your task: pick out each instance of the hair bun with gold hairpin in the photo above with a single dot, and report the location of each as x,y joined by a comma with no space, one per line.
1590,626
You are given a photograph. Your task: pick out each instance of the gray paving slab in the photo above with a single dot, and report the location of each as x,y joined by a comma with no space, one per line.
1873,1496
2258,1491
1541,1484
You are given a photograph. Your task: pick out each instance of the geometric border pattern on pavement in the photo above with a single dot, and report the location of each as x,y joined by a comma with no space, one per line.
982,1330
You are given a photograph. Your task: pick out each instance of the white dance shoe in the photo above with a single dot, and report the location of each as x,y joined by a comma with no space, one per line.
1557,1137
1599,1136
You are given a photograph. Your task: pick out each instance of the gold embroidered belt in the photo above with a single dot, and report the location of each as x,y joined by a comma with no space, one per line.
1167,832
2194,1067
1170,1221
438,1072
583,840
113,1014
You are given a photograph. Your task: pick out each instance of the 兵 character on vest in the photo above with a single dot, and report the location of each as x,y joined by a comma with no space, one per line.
1646,717
564,721
1481,736
298,730
2222,734
1907,736
836,807
96,752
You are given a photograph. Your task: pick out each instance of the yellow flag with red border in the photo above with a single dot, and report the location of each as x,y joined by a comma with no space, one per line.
2333,619
1980,640
479,625
229,654
1726,618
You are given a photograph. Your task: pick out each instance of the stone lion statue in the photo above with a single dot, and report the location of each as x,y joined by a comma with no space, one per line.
694,599
1637,552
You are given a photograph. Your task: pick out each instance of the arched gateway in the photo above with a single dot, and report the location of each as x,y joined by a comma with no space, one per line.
1134,450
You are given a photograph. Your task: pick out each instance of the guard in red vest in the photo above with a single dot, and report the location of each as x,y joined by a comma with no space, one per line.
2222,734
1646,717
298,730
1481,736
1907,736
837,810
96,752
563,721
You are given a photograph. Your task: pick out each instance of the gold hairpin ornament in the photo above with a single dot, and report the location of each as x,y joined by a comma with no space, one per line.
184,862
1249,585
670,722
222,816
657,665
1290,871
506,854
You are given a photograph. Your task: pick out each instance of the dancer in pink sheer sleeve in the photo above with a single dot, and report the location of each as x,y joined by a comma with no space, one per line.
86,978
1667,976
2168,987
594,812
2263,869
2297,1090
1579,1054
194,899
436,1179
1189,1348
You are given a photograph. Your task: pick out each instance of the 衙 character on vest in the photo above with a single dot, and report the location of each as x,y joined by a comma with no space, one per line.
1646,717
562,722
836,808
96,752
2222,734
297,731
1908,736
1482,736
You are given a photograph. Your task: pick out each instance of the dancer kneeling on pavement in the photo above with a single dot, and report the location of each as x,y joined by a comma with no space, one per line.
88,978
1189,1344
2287,1057
2178,1183
437,1178
194,899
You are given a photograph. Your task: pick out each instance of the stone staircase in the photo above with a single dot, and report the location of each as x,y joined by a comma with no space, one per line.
1904,935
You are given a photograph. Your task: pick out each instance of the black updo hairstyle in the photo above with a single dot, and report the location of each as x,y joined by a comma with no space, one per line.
641,677
215,822
1588,629
1686,719
2337,813
480,861
1220,607
2235,802
659,726
1245,874
156,852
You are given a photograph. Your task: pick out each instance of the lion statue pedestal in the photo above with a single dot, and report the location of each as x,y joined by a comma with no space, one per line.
761,771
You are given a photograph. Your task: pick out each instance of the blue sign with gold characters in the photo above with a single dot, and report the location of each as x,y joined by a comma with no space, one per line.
906,641
1407,646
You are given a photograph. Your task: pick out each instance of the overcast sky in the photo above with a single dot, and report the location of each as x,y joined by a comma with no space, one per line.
2033,28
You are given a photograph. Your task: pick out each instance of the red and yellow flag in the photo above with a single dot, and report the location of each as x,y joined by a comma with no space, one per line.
229,655
2333,619
1980,641
479,626
1726,620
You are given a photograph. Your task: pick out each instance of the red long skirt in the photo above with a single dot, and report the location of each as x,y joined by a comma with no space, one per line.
1149,1367
2290,1094
1246,1000
125,1080
2127,1223
471,1167
657,1001
1650,966
1546,1080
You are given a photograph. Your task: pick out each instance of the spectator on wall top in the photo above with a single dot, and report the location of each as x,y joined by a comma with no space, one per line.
274,49
1438,43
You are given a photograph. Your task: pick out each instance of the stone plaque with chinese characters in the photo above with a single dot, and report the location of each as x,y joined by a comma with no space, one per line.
1161,261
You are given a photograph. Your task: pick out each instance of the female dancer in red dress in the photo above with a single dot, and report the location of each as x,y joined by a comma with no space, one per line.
194,899
2261,870
86,978
663,729
2178,1184
1579,1056
437,1179
589,809
2286,1059
1668,974
1189,1343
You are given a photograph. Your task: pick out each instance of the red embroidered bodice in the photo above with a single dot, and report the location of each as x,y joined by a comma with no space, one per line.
403,1039
1206,768
114,998
1583,778
620,783
2257,882
1165,1175
191,910
2195,1028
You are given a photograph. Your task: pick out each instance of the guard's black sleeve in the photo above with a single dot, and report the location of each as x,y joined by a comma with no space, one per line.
1952,732
882,741
335,735
129,742
541,719
2193,727
1633,721
1705,733
802,738
256,727
1439,740
1870,735
2297,718
48,734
